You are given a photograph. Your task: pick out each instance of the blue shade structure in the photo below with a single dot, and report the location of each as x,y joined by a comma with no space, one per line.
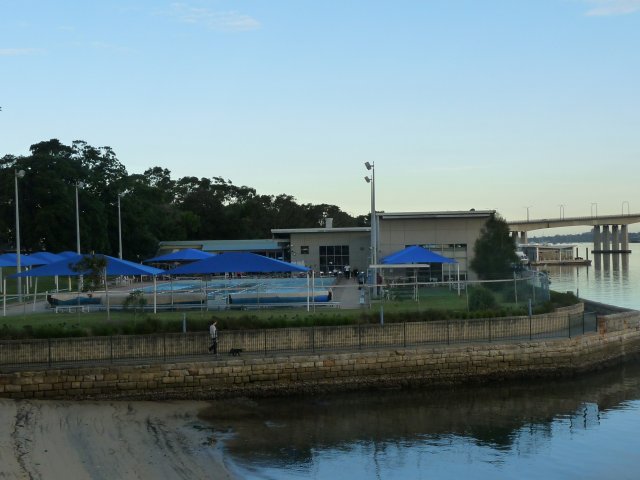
418,257
25,260
240,262
67,254
237,262
64,267
6,263
115,267
415,254
45,257
185,255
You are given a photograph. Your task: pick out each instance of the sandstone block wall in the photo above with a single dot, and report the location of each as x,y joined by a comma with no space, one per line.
162,347
283,374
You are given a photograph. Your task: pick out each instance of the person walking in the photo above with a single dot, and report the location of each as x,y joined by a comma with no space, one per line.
213,333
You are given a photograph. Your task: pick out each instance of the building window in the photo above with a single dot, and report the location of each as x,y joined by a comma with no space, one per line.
333,258
304,250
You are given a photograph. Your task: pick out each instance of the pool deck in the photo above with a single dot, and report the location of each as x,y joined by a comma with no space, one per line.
345,291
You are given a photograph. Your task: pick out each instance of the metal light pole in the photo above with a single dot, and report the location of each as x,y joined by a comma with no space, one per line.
119,227
374,220
528,207
561,211
596,205
18,174
78,185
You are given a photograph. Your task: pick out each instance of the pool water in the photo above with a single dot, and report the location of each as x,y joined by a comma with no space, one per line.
252,290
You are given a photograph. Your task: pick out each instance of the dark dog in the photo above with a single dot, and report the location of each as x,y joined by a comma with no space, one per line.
235,352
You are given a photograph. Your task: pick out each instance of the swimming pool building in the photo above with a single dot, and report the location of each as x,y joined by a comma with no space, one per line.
327,249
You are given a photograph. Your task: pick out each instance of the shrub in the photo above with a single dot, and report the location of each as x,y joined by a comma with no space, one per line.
134,301
481,298
558,299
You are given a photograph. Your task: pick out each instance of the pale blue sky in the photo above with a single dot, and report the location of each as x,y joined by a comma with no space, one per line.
461,104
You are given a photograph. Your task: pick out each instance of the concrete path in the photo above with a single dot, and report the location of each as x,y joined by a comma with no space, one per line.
347,292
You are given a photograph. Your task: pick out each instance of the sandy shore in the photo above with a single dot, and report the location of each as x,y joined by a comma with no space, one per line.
107,440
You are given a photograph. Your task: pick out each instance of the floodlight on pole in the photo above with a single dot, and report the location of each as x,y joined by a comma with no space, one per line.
120,195
78,185
374,220
18,174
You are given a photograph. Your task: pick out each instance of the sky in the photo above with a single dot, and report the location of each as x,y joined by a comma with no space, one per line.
522,106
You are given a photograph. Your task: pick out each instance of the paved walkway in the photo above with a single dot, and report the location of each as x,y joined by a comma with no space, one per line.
347,292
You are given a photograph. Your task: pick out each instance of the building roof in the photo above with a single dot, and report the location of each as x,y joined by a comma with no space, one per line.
255,245
426,215
277,231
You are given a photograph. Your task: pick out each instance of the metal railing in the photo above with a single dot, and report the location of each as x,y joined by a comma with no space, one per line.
17,354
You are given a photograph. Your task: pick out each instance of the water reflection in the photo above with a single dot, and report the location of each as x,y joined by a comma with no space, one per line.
382,432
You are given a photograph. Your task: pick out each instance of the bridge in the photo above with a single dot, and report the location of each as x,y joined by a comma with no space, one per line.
610,232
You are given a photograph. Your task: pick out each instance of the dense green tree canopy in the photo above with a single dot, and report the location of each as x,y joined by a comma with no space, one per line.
494,251
154,206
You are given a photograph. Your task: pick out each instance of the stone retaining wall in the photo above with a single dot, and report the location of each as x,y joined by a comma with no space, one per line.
618,338
267,341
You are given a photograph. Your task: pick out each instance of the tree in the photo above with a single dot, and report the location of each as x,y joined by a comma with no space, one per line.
154,208
494,251
95,269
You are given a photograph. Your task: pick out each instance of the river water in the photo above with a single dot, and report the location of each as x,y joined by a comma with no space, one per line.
611,279
584,427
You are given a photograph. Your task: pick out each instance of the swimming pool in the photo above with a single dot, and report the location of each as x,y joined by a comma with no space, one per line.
251,291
